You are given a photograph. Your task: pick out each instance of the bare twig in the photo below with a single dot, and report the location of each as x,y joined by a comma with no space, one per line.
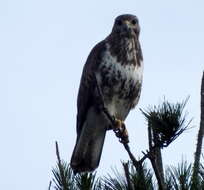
49,187
132,157
57,152
127,175
63,178
156,160
200,135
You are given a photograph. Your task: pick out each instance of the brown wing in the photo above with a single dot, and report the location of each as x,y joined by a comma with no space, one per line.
87,85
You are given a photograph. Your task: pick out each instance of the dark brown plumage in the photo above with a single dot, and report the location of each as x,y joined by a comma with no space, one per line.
117,64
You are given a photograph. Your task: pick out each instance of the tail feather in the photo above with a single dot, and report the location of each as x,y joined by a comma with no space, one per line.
87,152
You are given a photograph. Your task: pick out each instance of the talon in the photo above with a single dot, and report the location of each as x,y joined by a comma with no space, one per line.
124,136
121,131
118,124
125,133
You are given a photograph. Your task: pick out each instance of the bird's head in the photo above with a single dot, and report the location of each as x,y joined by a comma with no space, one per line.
126,25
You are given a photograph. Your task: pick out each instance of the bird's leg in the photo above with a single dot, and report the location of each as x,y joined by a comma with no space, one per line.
121,131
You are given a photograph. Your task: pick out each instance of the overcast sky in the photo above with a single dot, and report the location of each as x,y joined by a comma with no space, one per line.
43,47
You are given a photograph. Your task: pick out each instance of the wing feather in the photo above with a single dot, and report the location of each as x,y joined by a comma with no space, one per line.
85,97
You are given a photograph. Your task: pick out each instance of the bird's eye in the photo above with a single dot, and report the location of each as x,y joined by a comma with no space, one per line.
134,22
119,22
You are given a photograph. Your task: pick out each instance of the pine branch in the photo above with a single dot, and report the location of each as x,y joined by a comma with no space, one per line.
86,181
167,122
155,159
130,180
179,177
200,138
64,178
63,174
127,175
50,184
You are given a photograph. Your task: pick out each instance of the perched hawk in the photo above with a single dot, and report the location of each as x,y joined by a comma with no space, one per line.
116,63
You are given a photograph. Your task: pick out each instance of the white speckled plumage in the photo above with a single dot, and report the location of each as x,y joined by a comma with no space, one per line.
118,107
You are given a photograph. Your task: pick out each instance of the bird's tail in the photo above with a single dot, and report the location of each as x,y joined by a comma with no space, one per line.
87,152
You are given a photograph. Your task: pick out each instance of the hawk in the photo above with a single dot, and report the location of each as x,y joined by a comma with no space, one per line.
117,65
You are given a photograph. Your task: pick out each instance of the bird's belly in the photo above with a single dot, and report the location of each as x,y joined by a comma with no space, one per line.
121,87
118,108
120,98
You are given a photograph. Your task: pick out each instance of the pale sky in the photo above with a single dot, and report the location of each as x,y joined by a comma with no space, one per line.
43,47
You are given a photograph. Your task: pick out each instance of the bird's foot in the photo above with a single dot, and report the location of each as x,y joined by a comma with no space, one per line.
121,131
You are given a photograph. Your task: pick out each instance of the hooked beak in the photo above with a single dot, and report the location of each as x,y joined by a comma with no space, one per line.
127,26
